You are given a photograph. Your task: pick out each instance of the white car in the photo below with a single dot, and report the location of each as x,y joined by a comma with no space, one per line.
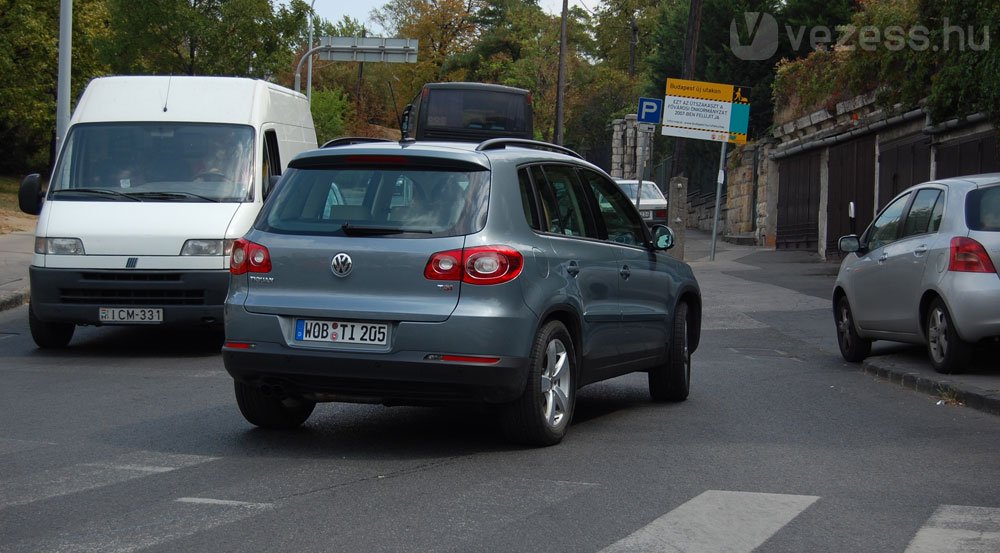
652,205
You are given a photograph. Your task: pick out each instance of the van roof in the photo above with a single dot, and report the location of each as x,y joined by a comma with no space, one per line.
180,99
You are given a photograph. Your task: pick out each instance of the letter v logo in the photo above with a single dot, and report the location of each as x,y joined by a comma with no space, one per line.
762,30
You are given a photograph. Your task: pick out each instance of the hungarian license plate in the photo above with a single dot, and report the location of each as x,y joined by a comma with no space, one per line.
130,315
341,332
646,214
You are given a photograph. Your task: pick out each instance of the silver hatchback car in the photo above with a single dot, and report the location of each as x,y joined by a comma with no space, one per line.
925,272
509,272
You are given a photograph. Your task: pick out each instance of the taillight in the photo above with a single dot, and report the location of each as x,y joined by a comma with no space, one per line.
249,257
969,256
480,265
661,213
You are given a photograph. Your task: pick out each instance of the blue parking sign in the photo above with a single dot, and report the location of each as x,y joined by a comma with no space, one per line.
650,110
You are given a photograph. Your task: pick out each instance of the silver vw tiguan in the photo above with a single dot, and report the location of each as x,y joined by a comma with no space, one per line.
509,272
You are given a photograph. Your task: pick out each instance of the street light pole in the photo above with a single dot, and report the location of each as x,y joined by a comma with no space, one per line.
309,65
561,79
65,61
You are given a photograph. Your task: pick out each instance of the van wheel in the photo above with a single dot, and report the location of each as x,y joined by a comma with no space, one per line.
948,352
853,347
267,411
543,412
671,381
49,335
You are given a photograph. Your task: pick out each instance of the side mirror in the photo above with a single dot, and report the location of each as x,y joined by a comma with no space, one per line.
849,243
30,196
269,185
663,237
404,121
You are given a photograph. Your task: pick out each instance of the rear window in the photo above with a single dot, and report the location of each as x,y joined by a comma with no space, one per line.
649,190
982,209
378,201
476,109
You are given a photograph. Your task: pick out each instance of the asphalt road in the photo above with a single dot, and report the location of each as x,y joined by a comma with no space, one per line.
131,441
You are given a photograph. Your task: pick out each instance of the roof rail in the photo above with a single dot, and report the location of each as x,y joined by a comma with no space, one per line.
497,143
346,140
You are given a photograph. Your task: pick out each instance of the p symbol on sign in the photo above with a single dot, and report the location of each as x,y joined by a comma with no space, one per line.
650,110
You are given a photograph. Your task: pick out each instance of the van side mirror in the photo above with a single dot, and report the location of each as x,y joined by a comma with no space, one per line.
404,121
30,196
269,185
663,237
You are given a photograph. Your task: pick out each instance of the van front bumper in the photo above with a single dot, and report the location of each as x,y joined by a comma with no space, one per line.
77,295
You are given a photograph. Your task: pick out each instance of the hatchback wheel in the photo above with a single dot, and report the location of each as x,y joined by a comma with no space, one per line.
853,347
49,335
267,411
671,381
543,412
948,352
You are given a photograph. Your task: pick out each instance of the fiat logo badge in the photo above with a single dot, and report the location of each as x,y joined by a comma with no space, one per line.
341,265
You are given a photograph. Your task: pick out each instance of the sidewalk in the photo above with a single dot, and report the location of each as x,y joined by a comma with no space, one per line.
795,280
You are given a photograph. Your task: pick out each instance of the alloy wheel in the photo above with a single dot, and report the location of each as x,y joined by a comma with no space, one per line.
556,382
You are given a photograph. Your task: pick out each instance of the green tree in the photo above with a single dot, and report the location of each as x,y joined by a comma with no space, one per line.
331,111
248,38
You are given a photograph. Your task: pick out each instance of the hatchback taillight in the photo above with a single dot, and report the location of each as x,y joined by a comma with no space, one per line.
478,265
661,213
249,257
969,256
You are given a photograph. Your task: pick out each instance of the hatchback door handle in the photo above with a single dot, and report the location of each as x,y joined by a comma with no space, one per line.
921,250
573,268
625,272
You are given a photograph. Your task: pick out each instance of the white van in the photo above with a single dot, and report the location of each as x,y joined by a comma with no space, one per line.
155,179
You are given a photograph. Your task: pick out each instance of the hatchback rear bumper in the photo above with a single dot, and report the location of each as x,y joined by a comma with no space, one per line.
400,378
974,303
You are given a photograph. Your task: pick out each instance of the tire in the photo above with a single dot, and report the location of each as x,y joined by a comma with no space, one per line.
270,412
671,381
853,347
49,335
948,352
542,414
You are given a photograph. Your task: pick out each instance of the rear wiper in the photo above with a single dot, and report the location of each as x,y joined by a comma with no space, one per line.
355,230
97,191
173,196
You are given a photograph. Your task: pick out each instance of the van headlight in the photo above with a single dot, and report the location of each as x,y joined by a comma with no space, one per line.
59,246
207,247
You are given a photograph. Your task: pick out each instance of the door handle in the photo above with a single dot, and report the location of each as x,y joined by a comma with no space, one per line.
573,268
920,250
625,272
885,255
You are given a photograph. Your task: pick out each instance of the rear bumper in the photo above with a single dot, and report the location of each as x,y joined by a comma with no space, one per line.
75,295
401,378
974,303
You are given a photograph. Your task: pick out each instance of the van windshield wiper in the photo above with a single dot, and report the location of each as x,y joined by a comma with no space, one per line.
98,192
356,230
173,196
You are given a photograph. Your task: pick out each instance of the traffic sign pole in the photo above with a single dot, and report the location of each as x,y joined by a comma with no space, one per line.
718,197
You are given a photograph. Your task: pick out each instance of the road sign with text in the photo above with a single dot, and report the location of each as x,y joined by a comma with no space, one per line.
706,111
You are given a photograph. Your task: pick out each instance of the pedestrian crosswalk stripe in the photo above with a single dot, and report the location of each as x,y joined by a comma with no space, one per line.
959,529
716,522
87,476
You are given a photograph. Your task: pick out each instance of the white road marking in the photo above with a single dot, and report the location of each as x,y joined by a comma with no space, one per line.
144,528
716,522
10,445
88,476
959,529
210,501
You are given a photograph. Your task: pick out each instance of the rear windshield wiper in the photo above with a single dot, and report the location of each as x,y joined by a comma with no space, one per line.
174,196
355,230
97,191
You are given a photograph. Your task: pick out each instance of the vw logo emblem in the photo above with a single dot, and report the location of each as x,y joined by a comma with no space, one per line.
341,265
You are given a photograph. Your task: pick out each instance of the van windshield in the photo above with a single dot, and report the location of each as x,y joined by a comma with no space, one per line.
185,162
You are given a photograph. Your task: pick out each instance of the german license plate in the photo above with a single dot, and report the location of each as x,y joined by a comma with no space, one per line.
341,332
646,214
130,315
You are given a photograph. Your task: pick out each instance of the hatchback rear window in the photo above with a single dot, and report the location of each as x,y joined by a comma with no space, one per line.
982,209
378,201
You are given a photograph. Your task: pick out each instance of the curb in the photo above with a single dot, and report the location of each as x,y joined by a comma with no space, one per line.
987,401
11,300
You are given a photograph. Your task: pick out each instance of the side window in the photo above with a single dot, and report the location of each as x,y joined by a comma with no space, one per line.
528,200
271,166
571,204
885,229
619,215
918,220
